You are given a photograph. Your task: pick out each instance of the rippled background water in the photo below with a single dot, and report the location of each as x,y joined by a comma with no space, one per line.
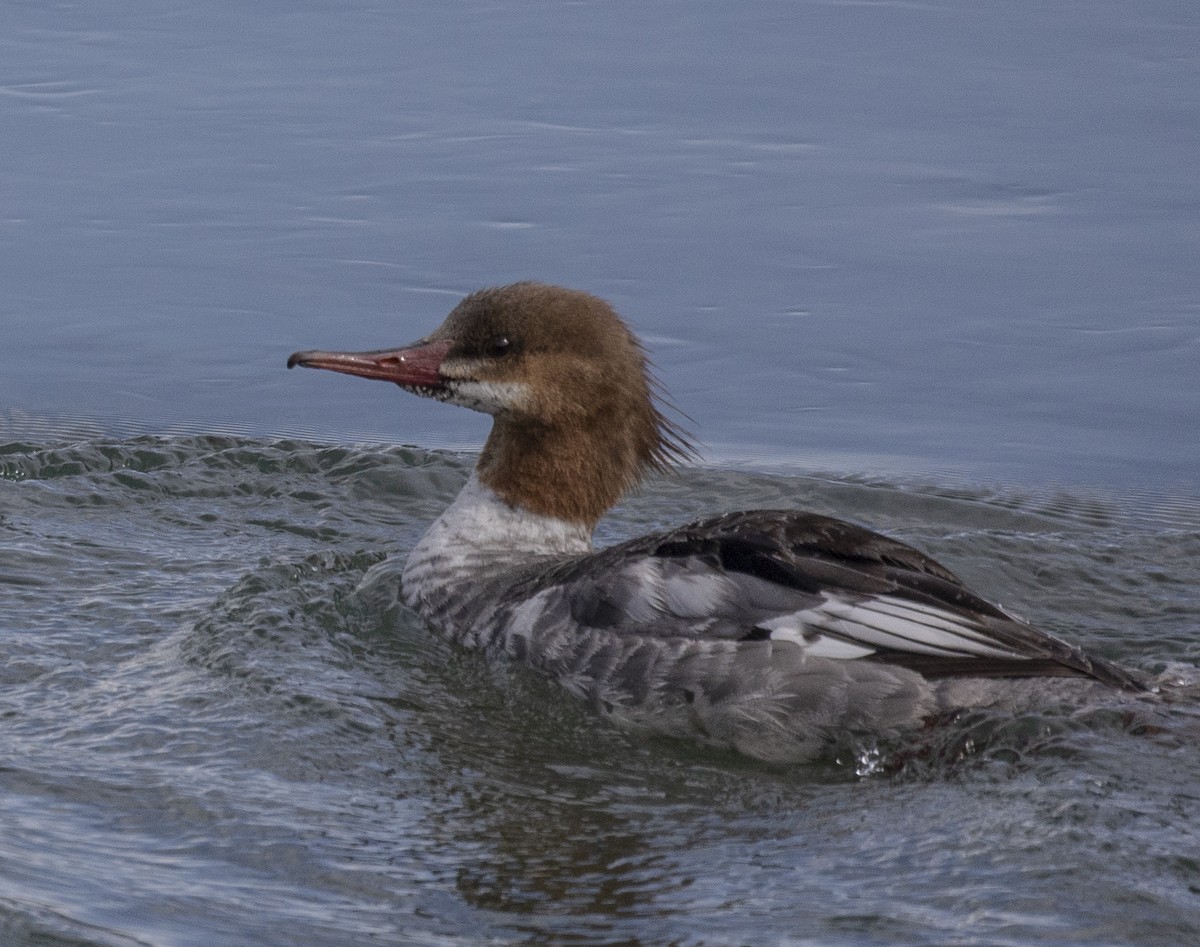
214,735
927,266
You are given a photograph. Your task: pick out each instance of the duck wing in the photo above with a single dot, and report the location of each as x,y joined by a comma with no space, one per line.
834,589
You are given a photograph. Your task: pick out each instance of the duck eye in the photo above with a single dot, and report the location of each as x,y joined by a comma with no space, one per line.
497,345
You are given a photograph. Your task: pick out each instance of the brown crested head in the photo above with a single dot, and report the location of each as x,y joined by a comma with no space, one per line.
577,423
576,418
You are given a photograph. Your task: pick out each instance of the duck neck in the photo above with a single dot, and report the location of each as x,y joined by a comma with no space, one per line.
558,474
478,540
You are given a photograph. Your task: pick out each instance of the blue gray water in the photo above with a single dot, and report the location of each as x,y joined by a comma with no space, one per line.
214,733
930,267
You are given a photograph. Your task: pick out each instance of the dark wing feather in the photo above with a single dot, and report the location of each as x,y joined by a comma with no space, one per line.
813,557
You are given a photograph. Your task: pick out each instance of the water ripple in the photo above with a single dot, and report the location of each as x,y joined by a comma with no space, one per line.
219,718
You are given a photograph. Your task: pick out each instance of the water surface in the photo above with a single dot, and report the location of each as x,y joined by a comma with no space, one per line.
887,235
217,732
930,267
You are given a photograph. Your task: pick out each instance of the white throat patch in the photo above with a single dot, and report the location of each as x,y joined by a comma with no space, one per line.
490,397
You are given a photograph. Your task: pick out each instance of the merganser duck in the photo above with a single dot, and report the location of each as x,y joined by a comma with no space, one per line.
771,632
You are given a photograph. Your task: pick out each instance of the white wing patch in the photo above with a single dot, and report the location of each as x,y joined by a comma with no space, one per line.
648,591
644,578
846,629
695,596
795,628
